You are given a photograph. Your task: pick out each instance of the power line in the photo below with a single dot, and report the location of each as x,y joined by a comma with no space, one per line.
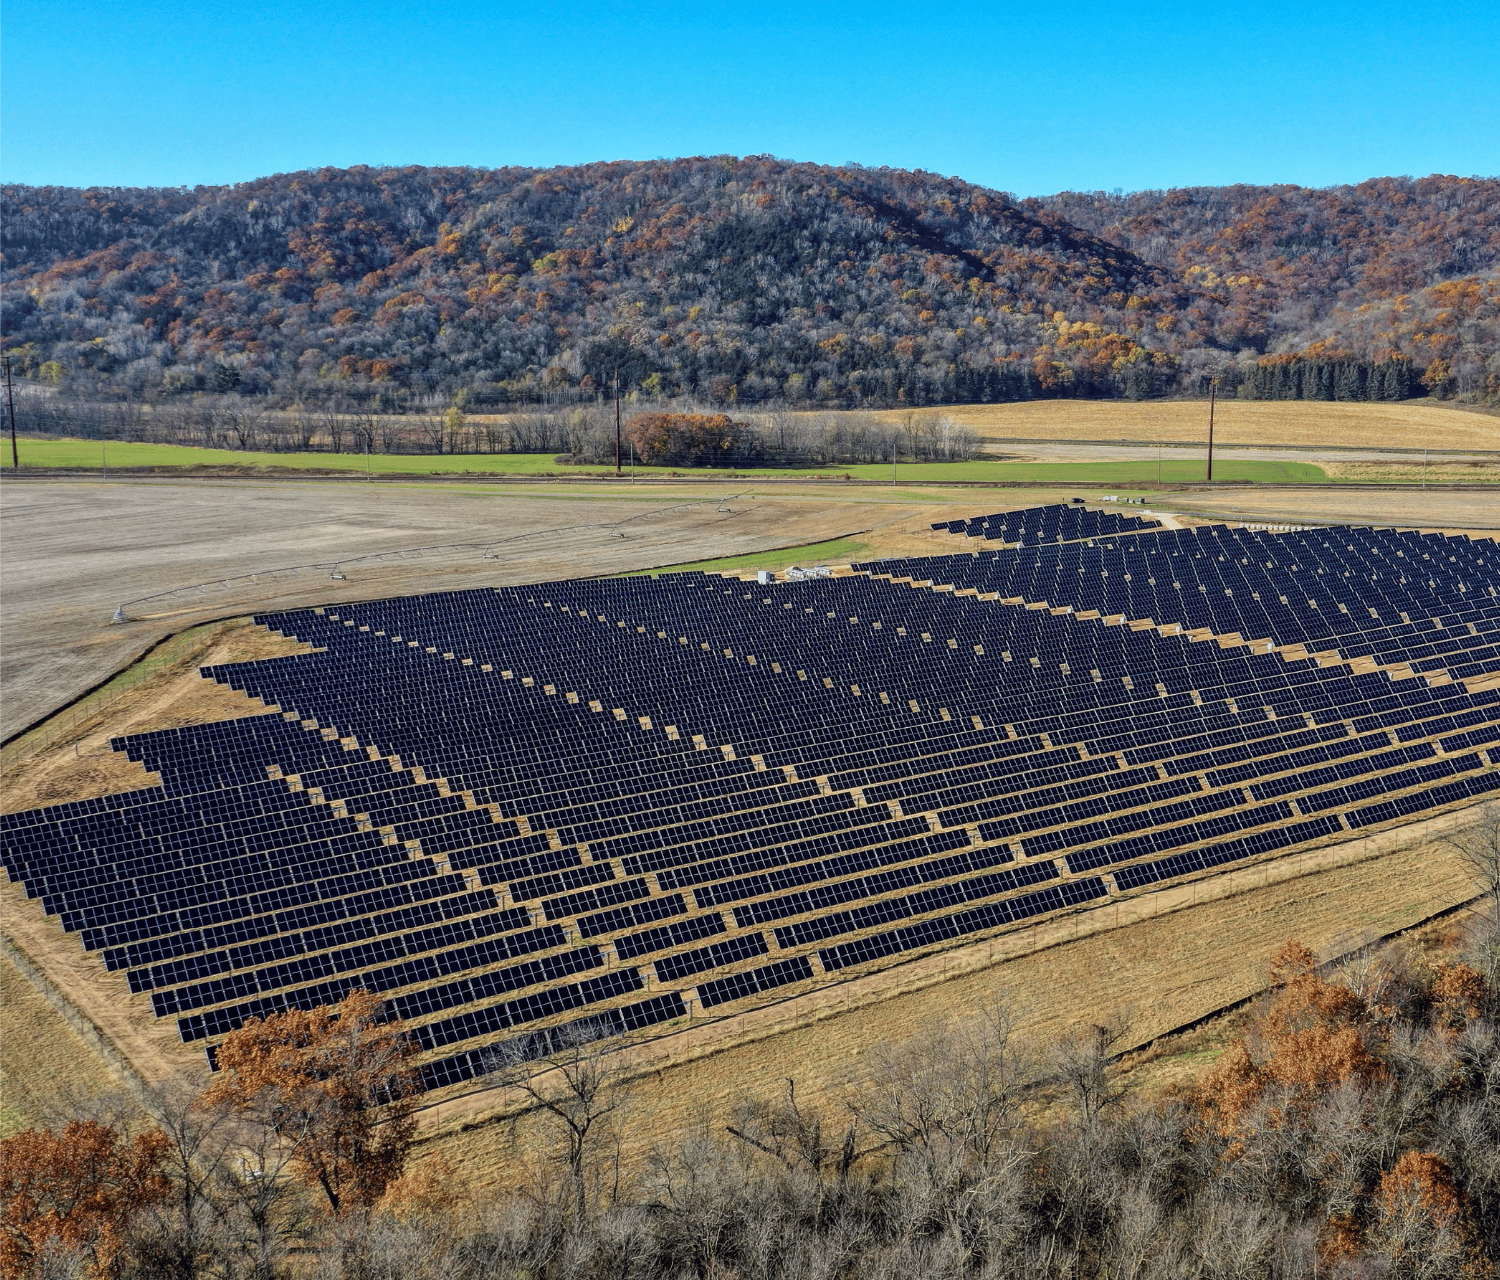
10,401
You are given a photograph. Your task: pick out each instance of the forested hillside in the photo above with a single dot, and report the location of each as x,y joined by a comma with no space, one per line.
748,281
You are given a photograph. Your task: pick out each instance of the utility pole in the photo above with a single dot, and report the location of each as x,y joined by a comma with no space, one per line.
1213,387
10,402
617,426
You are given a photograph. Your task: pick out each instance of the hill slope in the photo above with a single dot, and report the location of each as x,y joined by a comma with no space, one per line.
748,280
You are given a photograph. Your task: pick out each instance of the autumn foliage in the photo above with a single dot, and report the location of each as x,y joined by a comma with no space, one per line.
1310,1075
78,1189
690,439
1314,1035
337,1087
746,280
1349,1132
1422,1224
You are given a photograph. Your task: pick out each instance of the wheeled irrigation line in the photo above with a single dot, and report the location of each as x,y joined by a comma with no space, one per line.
488,546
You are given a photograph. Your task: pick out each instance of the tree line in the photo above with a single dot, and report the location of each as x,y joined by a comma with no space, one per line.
740,282
657,434
1298,377
1350,1130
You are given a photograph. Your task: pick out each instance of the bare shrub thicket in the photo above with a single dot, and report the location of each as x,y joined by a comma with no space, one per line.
1352,1131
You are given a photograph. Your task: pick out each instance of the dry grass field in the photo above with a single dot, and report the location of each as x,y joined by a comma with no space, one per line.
1471,511
1302,424
1411,471
45,1066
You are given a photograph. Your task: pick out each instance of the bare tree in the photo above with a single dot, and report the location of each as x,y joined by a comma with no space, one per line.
431,431
305,428
570,1074
952,1096
362,424
266,1210
200,1144
799,1140
1084,1060
391,434
1479,847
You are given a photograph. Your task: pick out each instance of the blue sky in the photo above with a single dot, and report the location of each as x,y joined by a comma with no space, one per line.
1027,98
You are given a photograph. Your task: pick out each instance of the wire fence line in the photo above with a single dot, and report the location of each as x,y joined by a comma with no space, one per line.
489,548
60,724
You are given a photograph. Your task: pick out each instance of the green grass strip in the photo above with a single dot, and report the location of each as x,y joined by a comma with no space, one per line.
96,455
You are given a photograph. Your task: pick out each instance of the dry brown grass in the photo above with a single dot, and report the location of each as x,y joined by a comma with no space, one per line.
1411,424
1174,1063
45,1066
1468,471
1473,511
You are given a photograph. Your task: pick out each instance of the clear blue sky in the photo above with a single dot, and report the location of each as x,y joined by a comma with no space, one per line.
1028,98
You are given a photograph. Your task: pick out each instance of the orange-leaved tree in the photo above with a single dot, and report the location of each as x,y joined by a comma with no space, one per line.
78,1190
690,439
1314,1035
1459,995
1422,1225
1313,1038
337,1087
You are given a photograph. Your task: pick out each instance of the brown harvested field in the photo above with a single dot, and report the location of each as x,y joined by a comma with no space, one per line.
1304,424
1411,471
1467,511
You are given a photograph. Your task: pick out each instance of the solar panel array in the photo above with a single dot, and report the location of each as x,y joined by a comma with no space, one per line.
1036,526
618,800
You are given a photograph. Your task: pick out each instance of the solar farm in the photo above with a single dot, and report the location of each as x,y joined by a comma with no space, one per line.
631,802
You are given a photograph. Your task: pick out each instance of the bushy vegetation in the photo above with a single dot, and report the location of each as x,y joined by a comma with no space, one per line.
741,281
1351,1131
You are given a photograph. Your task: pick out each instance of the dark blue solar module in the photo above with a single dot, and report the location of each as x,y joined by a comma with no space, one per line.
620,801
1036,526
